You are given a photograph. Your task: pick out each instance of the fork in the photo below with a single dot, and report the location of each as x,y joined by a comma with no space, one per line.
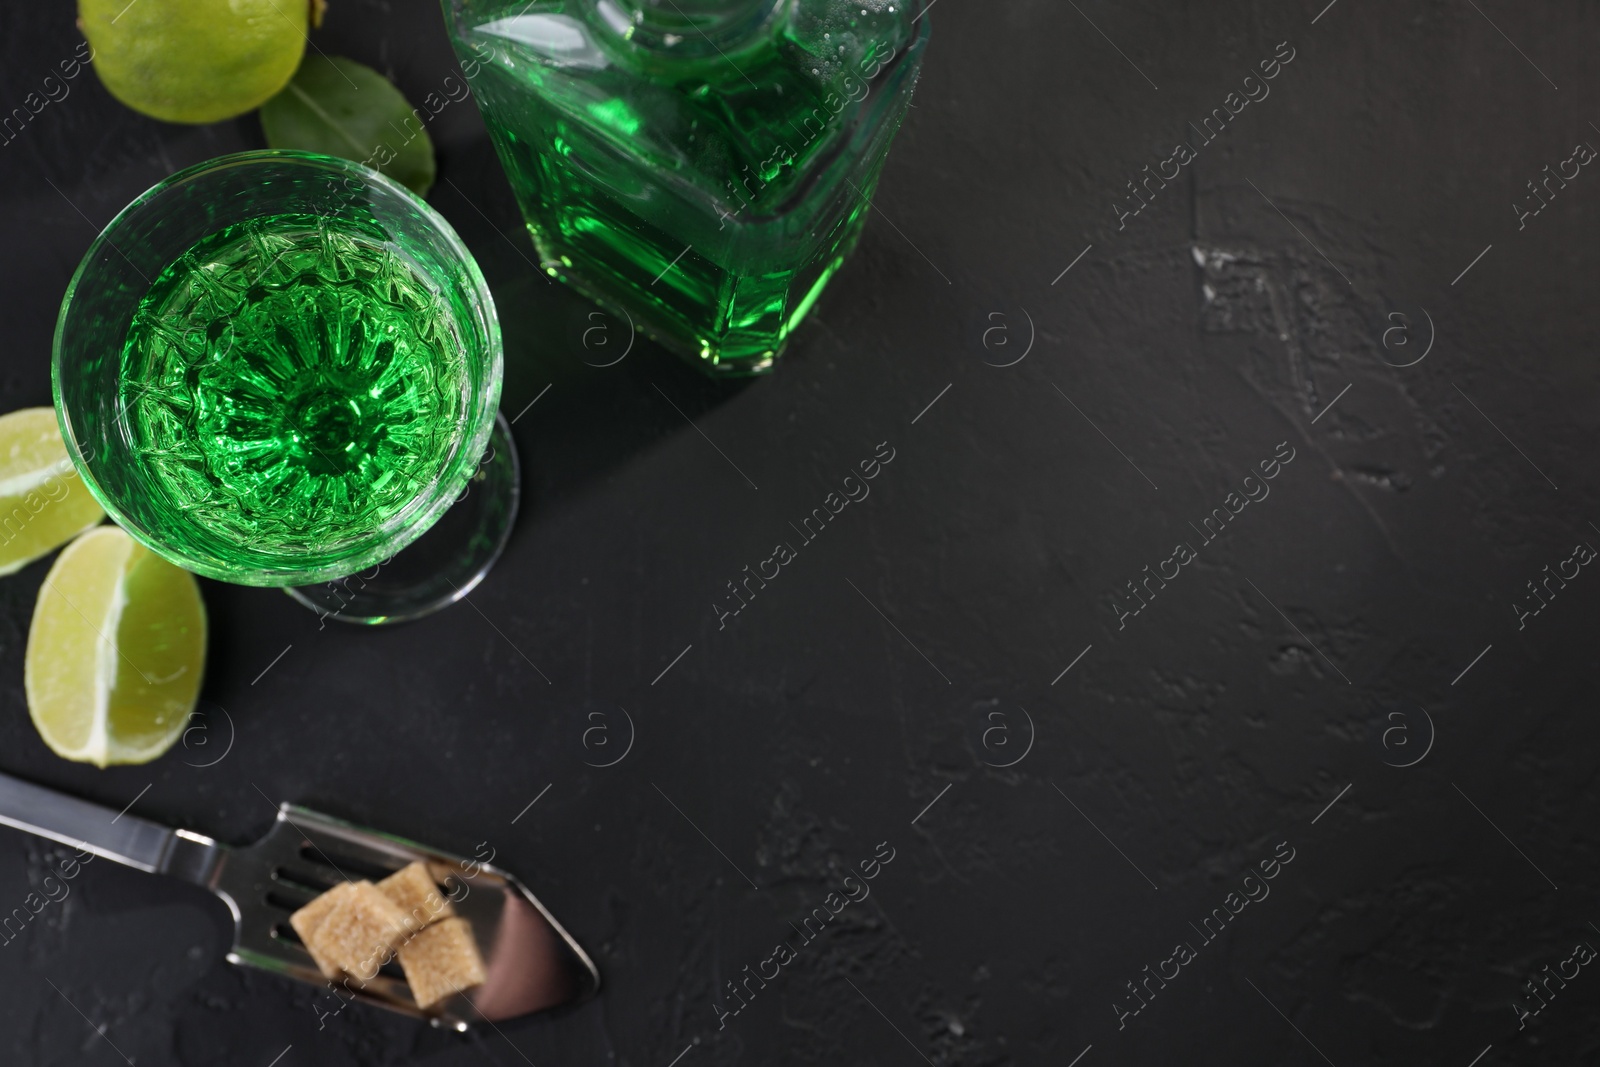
531,963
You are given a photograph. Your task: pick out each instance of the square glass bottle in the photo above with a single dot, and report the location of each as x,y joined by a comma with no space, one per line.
702,166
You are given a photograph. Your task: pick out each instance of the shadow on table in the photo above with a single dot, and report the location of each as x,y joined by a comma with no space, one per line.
584,390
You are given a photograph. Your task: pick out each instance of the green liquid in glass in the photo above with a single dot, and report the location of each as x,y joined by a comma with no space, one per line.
292,384
709,188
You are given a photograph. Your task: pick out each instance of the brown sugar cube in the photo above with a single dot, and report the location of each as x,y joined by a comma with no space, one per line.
360,931
307,919
413,891
441,961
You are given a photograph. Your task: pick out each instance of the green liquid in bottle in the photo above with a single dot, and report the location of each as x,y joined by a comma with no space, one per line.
702,166
291,385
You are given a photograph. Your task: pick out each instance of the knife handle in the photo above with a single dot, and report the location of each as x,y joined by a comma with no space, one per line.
111,835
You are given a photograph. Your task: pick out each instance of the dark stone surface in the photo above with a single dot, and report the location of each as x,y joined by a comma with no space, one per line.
857,689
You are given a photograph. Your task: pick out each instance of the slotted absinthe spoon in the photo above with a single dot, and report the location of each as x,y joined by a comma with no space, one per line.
532,964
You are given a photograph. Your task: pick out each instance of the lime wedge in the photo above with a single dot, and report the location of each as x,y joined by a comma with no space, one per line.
43,502
116,651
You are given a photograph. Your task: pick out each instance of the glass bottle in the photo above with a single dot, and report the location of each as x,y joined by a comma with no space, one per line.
702,166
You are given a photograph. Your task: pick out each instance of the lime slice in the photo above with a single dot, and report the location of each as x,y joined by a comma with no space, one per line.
116,651
43,502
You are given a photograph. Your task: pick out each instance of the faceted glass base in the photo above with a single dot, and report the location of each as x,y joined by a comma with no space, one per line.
441,566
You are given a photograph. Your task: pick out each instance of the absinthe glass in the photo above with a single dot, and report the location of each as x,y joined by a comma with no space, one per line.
277,368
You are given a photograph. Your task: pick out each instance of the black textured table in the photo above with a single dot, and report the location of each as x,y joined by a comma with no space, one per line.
1178,674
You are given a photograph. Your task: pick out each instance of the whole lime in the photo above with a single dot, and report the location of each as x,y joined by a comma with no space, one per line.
195,60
